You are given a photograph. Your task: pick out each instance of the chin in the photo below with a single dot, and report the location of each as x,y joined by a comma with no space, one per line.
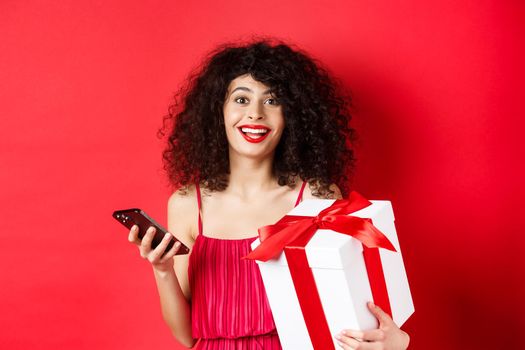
253,154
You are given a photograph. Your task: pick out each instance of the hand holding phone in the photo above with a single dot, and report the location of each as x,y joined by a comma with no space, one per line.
135,216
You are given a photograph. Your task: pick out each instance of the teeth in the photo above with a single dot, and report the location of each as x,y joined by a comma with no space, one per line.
254,131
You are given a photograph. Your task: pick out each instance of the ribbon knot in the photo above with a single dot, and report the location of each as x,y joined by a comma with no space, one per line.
295,230
329,218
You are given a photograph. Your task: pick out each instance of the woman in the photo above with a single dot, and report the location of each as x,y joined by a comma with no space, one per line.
258,128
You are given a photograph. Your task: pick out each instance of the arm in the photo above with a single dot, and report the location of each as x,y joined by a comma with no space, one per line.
170,271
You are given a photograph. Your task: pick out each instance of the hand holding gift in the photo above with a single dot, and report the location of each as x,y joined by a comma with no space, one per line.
388,336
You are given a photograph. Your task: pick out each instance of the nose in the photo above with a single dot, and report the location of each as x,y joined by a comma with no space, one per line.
256,112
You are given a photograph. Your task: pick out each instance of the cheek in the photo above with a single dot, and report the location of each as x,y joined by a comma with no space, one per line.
229,126
230,115
281,124
279,131
230,132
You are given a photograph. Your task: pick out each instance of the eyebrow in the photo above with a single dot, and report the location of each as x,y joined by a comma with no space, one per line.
249,90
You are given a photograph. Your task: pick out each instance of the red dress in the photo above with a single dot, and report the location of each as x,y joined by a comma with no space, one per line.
229,307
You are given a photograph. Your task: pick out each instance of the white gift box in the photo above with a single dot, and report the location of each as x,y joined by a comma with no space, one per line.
340,274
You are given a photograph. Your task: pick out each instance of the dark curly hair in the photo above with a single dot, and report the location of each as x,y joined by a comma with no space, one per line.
316,144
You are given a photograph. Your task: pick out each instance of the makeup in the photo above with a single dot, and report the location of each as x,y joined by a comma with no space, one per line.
254,133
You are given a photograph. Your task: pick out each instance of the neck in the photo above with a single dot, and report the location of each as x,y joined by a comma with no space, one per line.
250,176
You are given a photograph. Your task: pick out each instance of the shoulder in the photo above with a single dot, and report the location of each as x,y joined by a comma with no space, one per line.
183,201
310,191
183,213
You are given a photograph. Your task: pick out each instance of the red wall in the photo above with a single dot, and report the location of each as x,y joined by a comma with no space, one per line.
438,89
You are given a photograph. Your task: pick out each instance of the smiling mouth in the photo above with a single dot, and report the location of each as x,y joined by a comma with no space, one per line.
254,135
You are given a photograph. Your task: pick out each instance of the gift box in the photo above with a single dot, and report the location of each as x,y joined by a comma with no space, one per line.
323,262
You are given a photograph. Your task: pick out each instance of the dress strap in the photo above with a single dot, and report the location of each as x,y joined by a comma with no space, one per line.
199,203
300,196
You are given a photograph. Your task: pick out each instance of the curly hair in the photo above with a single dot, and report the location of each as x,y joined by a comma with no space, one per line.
316,144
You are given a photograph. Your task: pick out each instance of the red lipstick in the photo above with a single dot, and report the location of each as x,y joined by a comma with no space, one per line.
251,137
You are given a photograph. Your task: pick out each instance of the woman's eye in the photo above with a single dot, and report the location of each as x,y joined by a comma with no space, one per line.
273,101
240,99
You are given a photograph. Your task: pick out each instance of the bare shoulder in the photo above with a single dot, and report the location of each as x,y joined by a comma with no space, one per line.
307,194
181,198
183,214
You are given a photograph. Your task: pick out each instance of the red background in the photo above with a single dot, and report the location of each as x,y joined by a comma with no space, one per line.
438,90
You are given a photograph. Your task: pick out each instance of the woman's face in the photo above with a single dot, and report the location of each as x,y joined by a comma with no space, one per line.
253,118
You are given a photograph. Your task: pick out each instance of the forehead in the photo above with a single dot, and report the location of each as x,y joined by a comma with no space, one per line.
248,82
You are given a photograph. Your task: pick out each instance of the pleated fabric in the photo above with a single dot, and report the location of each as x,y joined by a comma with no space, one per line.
259,342
230,309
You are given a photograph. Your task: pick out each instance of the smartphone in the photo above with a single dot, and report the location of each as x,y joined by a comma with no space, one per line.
135,216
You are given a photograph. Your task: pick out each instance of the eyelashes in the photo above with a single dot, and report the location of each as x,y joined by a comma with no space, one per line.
275,101
238,99
242,98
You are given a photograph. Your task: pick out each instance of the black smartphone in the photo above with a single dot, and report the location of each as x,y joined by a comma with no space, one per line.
135,216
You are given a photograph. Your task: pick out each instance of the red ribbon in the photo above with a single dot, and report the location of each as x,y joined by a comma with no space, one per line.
292,233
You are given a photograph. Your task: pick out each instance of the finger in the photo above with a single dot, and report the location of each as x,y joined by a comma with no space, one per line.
347,342
145,245
157,252
381,316
362,345
344,346
171,253
371,335
354,334
133,236
370,346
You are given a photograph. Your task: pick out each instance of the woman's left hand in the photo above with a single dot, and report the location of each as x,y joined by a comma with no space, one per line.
387,337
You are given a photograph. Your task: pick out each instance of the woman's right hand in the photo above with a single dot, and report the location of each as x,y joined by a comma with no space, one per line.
154,256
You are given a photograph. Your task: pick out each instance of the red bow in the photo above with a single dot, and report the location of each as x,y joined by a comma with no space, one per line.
293,230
